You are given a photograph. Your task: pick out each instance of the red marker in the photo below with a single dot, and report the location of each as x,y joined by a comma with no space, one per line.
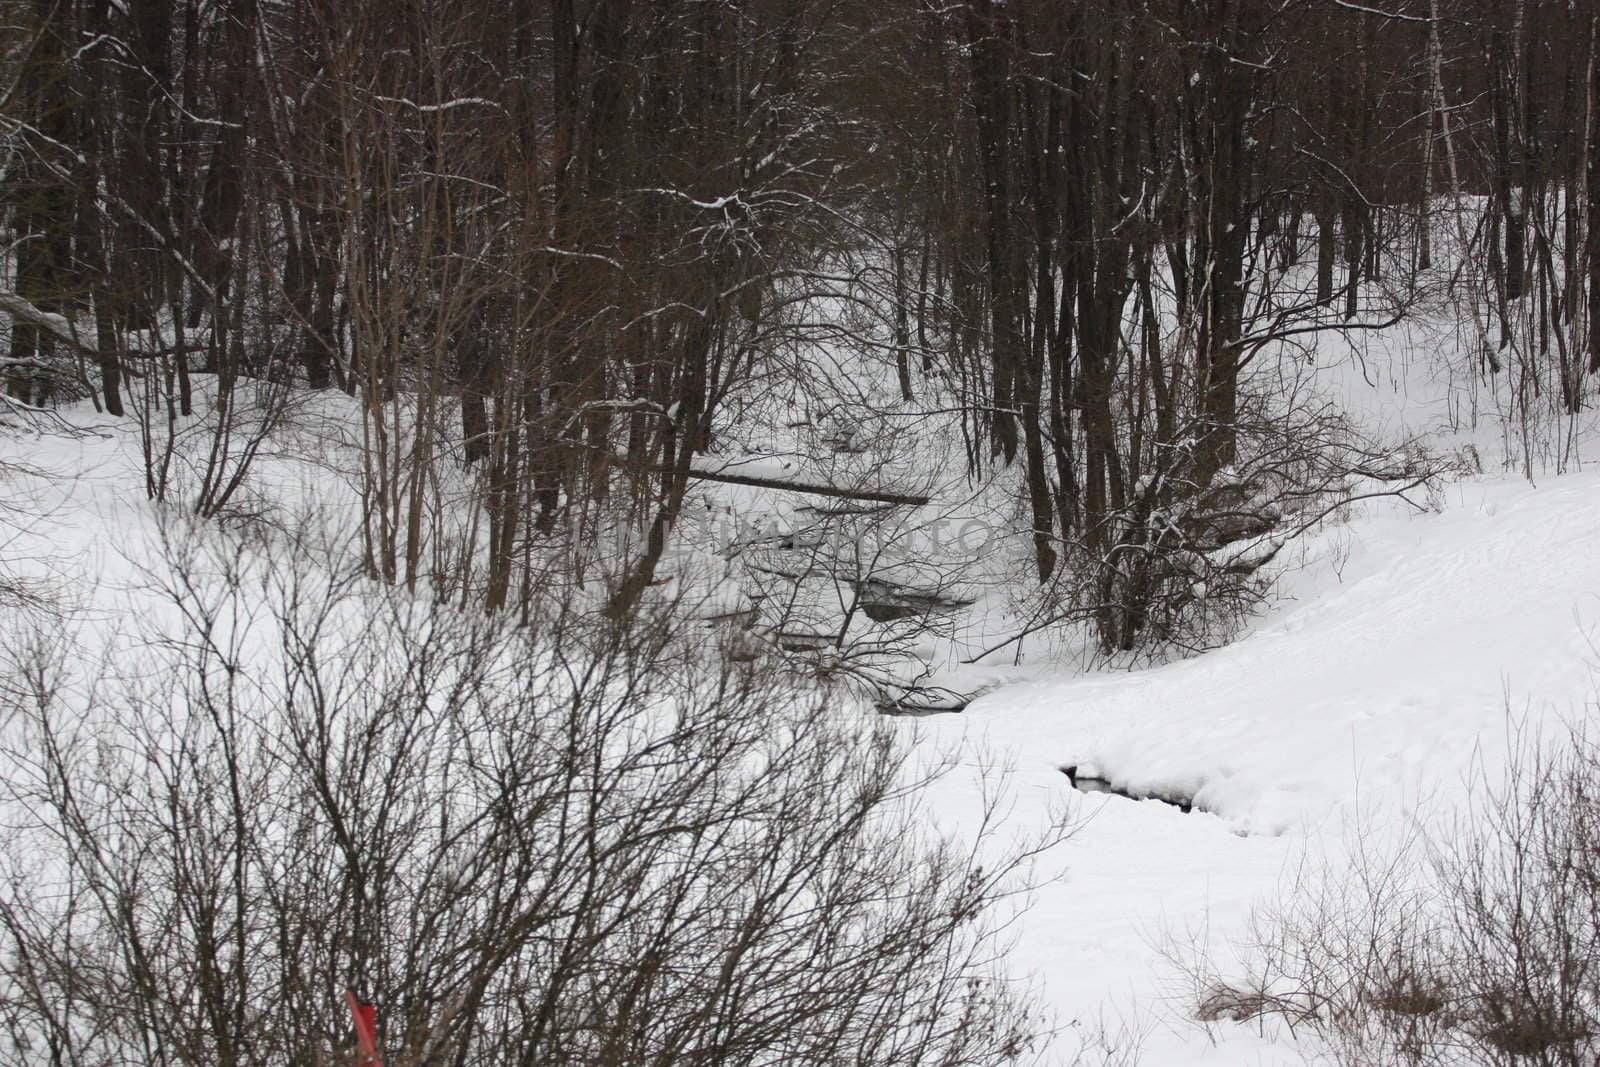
366,1020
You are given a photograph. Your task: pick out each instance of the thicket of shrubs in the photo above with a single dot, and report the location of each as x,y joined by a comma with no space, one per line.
568,842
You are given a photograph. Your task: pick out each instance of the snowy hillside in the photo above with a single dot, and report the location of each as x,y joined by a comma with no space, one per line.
1405,641
788,533
1407,648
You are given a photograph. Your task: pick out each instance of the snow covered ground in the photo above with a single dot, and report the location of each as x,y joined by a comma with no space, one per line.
1406,644
1399,637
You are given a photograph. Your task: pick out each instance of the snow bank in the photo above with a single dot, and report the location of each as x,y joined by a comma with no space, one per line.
1363,699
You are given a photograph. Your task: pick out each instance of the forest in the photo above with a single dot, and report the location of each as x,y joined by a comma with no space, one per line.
617,323
570,238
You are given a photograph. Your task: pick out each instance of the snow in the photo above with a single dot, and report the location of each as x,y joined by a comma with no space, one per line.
1403,646
1387,671
1402,640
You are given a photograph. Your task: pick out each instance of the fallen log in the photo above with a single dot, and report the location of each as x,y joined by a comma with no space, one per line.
838,492
795,485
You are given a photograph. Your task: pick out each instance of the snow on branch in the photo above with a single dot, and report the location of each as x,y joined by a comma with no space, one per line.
1397,16
448,105
718,204
23,310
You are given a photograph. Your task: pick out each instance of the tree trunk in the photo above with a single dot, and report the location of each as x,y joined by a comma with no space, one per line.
988,37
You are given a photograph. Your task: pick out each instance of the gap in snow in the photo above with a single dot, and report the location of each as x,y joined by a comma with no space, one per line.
1088,783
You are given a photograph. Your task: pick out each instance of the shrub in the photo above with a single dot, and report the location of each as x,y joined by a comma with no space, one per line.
576,842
